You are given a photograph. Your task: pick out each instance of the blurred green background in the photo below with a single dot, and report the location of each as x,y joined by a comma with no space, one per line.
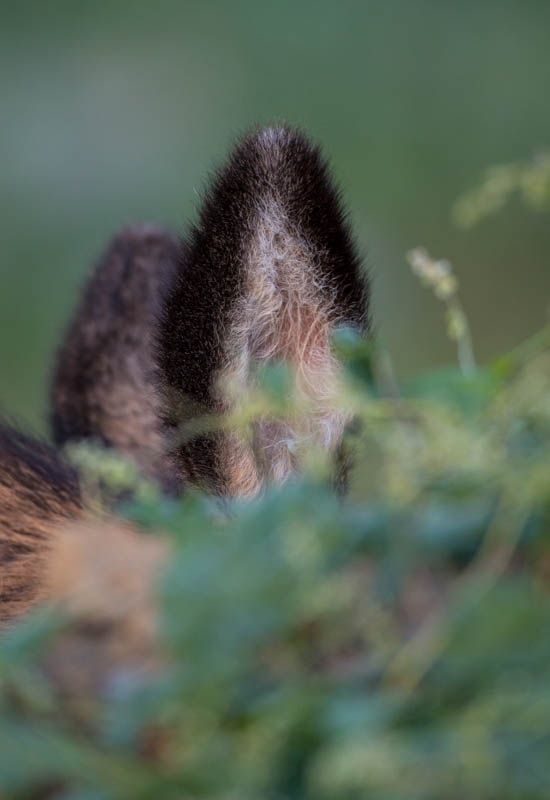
115,111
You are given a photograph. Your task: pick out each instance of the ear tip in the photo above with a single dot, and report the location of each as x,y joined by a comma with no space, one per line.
144,239
279,133
276,143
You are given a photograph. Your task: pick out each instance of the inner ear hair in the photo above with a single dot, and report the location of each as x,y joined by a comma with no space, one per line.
267,273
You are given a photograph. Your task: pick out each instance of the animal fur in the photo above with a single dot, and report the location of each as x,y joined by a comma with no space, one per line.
108,592
103,387
266,275
163,334
39,492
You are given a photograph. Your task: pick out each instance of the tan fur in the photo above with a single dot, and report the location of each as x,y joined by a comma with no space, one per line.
243,477
284,316
102,572
30,516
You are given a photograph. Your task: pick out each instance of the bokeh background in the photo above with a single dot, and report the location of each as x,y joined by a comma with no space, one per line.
115,111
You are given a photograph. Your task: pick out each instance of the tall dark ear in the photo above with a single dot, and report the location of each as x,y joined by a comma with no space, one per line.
266,274
38,492
103,385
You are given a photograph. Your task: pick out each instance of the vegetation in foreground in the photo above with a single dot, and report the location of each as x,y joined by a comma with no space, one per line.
395,644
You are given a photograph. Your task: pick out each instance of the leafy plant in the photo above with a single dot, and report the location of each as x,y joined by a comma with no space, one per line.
395,644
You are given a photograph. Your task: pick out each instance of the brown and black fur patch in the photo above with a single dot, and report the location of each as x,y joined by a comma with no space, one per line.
103,387
266,275
165,331
39,492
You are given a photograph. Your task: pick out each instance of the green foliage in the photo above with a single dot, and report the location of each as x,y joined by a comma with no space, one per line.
530,181
395,644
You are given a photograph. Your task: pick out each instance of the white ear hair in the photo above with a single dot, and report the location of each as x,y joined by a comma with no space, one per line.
284,316
267,273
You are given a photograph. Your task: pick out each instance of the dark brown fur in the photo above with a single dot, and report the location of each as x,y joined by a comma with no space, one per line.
39,492
103,387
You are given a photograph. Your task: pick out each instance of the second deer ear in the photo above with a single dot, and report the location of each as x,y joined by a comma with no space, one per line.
265,275
103,386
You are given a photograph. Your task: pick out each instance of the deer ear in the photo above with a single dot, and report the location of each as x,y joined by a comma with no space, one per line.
104,379
265,275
